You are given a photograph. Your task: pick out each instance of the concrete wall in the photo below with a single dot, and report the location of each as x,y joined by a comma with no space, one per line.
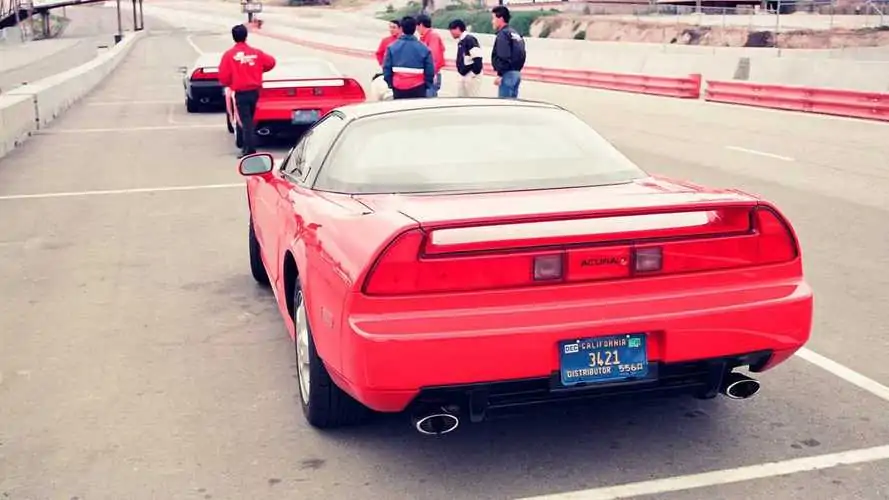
33,106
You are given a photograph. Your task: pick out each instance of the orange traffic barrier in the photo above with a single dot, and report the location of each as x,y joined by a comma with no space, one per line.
851,103
683,87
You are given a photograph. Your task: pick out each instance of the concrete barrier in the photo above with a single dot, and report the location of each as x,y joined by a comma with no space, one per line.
18,118
32,107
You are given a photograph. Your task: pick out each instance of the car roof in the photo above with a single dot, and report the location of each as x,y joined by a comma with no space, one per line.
370,108
302,67
208,59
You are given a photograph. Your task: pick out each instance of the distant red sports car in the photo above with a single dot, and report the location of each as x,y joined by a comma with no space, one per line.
458,256
295,95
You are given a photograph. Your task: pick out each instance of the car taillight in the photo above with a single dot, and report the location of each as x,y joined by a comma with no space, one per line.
412,264
202,74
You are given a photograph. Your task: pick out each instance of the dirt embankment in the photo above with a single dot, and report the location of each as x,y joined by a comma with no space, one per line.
598,29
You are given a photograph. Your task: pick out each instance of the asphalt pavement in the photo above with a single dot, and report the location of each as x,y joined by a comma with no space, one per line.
138,359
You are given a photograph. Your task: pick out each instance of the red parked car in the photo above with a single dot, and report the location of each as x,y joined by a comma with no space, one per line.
455,257
295,95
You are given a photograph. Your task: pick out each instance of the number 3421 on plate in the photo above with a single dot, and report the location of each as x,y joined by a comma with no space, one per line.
603,359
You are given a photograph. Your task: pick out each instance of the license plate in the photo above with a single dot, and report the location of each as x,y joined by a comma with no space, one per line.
303,116
603,359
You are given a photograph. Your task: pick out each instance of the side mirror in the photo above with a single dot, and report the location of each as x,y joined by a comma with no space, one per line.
256,164
183,69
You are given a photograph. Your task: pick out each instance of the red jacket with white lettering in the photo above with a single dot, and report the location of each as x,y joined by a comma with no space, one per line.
242,66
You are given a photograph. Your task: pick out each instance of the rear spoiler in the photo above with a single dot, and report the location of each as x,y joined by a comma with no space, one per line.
289,84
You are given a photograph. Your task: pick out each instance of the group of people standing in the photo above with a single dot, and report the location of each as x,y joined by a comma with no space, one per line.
413,55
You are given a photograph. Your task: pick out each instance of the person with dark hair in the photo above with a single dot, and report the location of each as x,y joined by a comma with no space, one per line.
508,55
469,60
407,66
394,33
431,39
240,69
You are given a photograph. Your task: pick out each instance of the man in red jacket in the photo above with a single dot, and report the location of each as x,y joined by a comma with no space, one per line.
241,70
431,39
394,33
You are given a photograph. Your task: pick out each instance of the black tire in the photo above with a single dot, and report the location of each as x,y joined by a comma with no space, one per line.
190,105
228,124
327,406
256,267
239,137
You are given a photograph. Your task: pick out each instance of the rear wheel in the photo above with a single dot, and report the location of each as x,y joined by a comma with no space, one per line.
228,124
256,267
324,404
190,105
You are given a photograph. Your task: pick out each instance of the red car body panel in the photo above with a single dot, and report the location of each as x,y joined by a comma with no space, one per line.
279,98
300,84
383,349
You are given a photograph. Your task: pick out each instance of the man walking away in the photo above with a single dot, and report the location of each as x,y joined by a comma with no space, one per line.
469,60
508,56
241,70
407,66
431,39
394,33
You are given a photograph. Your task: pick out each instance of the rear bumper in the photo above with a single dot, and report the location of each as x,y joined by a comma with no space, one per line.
701,378
387,360
212,92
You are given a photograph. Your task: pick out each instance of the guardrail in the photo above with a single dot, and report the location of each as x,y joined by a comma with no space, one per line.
851,103
682,87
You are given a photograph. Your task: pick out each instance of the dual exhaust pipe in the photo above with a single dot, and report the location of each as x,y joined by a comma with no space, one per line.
263,131
739,386
204,100
436,423
445,420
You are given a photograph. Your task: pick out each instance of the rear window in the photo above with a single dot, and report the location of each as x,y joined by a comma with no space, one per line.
304,68
487,148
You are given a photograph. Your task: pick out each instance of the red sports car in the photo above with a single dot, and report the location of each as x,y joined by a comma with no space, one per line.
455,257
295,95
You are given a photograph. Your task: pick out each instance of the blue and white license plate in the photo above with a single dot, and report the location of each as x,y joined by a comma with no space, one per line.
305,116
603,359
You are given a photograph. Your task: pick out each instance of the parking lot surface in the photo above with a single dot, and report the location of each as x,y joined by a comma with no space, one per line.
138,359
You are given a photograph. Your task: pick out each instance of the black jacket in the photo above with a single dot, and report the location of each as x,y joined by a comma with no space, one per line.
469,47
509,51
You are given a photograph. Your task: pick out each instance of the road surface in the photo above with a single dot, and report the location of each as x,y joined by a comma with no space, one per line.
139,360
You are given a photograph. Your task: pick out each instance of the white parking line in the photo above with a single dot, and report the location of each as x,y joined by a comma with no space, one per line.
194,45
123,129
118,191
872,386
760,153
725,476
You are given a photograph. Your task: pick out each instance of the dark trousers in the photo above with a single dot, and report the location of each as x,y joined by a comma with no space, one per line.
245,102
413,93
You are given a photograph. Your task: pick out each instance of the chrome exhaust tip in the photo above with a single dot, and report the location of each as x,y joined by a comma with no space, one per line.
264,131
436,424
204,100
739,386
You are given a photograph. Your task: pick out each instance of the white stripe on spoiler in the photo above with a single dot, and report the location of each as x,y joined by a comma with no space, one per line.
289,84
549,229
210,69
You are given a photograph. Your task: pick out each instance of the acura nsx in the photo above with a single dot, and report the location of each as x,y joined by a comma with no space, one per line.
455,257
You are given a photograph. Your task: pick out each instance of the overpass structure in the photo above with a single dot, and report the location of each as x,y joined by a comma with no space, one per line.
13,12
